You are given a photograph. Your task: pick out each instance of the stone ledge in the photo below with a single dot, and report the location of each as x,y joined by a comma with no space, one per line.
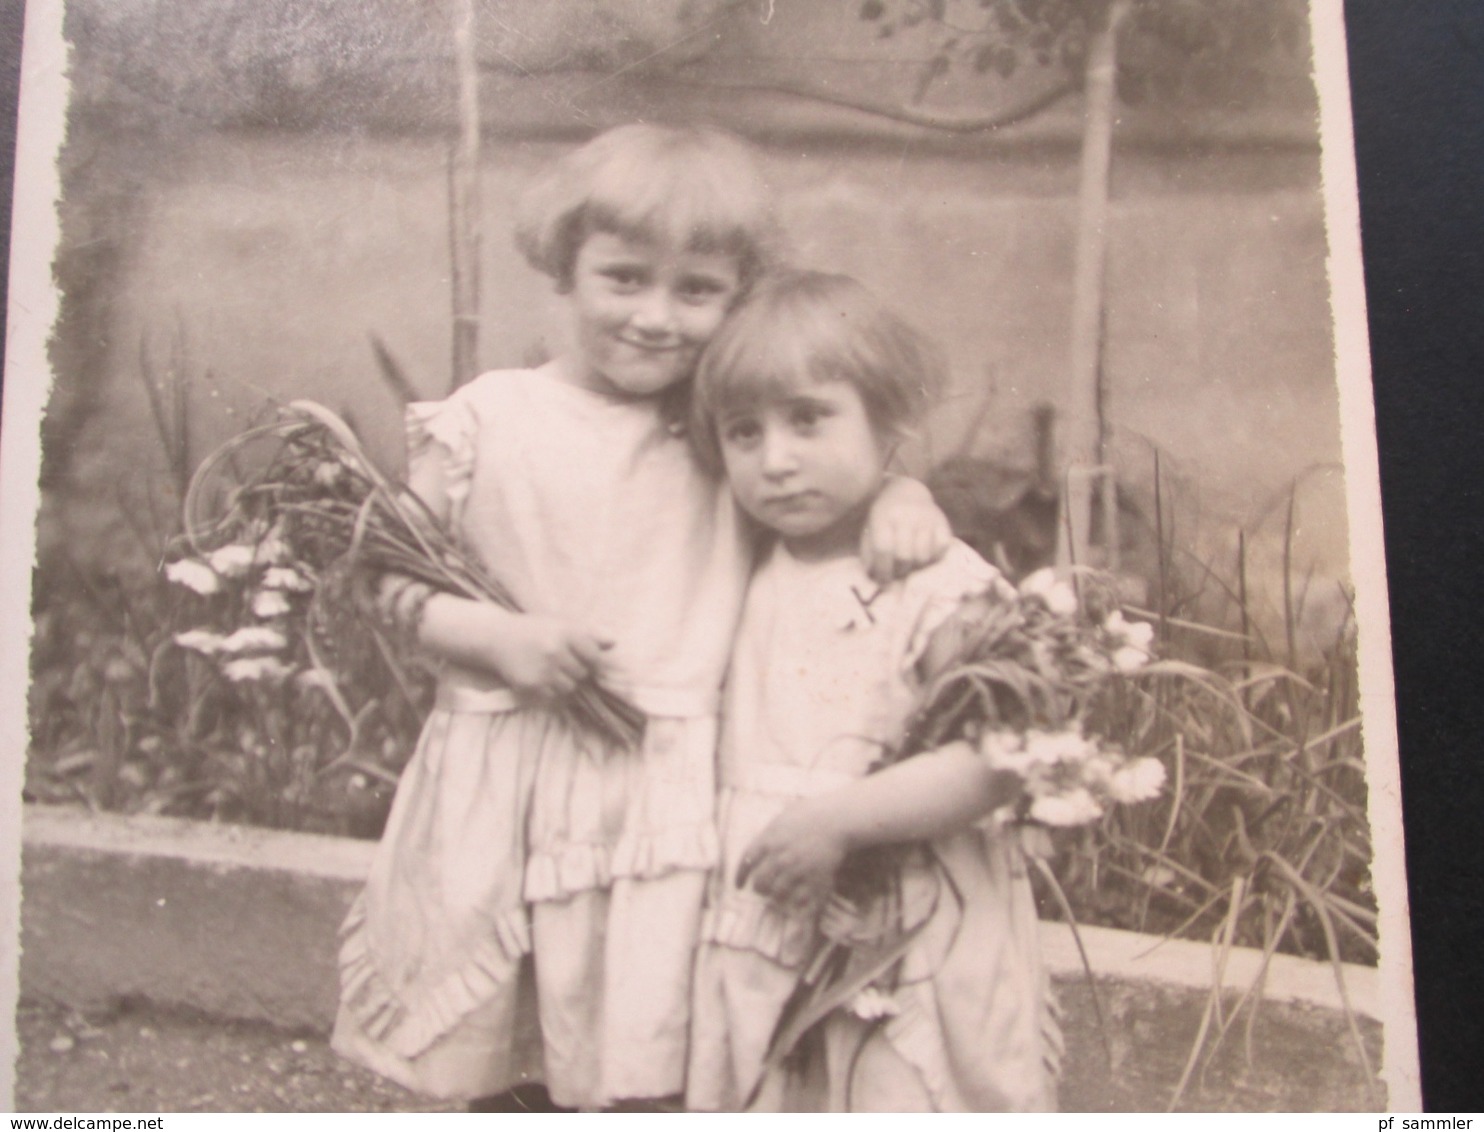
235,922
204,843
240,923
177,895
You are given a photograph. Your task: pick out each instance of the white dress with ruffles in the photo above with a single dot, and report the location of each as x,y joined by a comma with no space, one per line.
513,837
822,681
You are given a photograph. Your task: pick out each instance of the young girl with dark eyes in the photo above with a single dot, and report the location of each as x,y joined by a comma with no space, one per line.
802,398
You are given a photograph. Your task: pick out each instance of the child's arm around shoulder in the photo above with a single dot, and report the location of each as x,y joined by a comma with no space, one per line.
905,530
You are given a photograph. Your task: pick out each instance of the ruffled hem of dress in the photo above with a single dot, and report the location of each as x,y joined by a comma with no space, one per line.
756,925
573,868
407,1024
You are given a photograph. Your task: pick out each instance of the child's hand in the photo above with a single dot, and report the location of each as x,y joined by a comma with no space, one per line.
794,861
905,531
544,657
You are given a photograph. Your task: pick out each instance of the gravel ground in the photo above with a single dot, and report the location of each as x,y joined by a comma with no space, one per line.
145,1059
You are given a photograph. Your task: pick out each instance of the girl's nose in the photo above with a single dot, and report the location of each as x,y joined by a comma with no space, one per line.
654,313
778,453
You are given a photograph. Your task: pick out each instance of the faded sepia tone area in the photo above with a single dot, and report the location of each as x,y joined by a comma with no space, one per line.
258,207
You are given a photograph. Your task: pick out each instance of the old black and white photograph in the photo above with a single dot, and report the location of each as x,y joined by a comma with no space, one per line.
696,556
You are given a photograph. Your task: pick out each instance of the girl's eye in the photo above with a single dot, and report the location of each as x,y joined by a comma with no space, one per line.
700,289
624,278
806,418
742,432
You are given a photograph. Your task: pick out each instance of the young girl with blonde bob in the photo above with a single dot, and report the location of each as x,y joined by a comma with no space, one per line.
533,908
803,397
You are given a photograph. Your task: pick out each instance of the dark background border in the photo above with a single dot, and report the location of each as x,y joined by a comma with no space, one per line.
1417,80
1417,85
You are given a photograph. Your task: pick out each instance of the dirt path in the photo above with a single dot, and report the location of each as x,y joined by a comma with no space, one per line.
146,1059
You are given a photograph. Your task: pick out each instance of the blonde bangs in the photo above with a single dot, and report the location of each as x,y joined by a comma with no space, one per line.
694,190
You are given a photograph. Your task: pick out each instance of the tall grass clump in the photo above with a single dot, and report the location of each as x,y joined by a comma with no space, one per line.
1260,838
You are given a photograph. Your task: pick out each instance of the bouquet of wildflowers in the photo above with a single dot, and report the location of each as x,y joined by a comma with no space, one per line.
317,521
1020,686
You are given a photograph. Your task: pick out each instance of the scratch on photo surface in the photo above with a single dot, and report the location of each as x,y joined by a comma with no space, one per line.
707,26
561,104
902,155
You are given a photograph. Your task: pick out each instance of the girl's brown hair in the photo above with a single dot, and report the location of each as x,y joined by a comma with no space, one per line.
809,325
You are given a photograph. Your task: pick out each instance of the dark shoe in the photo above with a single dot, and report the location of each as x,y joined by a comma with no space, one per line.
522,1098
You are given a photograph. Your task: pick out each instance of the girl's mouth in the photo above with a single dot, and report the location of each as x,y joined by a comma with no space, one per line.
649,347
793,501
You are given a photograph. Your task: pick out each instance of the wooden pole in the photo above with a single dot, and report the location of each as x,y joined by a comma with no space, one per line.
464,208
1084,425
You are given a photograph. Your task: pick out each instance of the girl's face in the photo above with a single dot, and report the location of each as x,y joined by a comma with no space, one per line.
807,464
644,312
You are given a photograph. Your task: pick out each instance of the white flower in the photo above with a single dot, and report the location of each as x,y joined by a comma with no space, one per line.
1047,748
201,640
1075,807
1056,596
1158,876
1131,641
270,603
194,575
871,1003
327,473
1135,634
232,560
254,638
286,578
268,668
1036,755
313,678
1137,781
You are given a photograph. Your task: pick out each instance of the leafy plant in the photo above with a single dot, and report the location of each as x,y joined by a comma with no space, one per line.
125,716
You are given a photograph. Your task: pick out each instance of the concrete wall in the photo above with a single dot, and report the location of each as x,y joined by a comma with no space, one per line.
263,261
574,66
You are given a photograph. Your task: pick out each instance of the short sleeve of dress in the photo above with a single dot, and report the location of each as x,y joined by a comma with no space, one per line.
943,588
440,451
